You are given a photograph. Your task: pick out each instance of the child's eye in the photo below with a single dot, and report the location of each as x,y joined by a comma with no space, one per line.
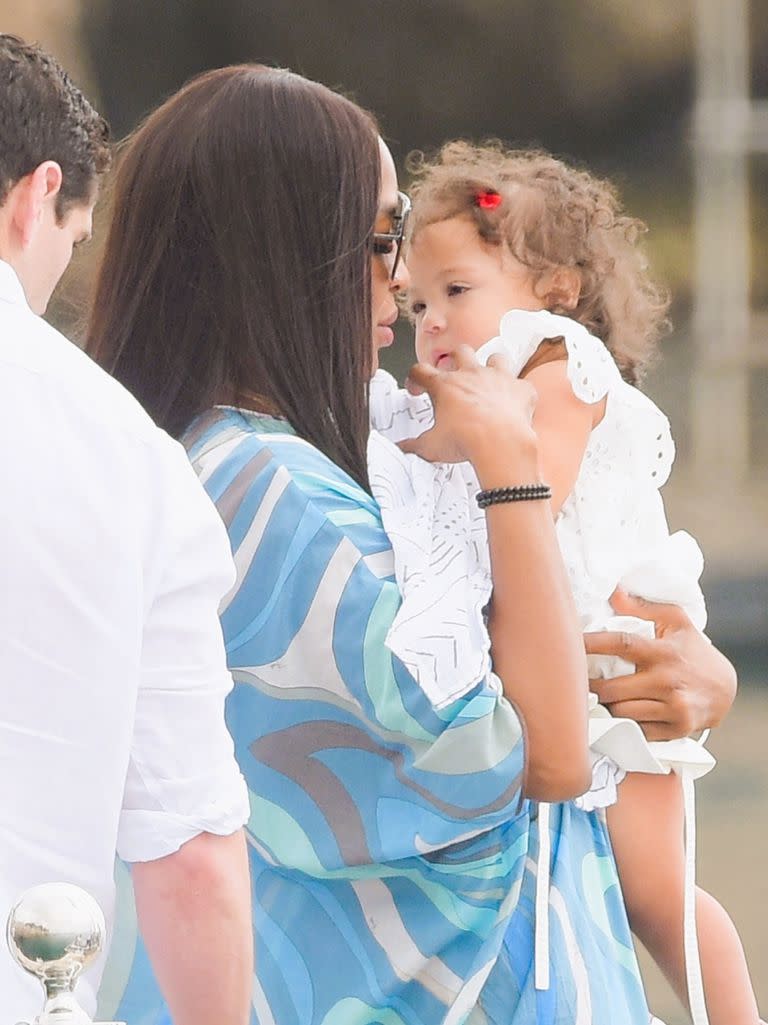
457,289
417,308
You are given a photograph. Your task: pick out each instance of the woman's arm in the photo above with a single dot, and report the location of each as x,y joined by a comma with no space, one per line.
484,414
535,634
536,647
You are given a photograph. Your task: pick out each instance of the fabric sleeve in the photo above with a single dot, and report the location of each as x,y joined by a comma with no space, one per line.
347,760
182,777
394,412
442,567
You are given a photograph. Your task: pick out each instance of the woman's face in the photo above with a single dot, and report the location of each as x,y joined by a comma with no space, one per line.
383,288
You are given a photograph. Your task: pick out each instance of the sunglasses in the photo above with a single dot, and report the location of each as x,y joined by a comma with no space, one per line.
390,243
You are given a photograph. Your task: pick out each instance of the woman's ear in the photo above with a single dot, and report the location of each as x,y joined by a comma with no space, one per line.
562,287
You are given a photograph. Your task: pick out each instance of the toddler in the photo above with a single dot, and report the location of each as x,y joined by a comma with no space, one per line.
517,253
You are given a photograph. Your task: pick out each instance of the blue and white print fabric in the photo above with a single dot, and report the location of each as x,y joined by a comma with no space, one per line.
392,853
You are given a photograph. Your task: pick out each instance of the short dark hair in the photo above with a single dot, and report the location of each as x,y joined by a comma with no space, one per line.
44,116
237,268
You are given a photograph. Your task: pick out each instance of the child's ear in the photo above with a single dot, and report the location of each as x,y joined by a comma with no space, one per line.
563,287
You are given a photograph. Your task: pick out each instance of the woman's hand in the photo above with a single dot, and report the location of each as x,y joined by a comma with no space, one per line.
682,684
483,414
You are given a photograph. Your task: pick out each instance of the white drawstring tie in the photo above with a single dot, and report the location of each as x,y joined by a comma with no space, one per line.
541,934
696,1000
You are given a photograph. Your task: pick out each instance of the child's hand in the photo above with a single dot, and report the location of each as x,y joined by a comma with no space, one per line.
682,684
482,414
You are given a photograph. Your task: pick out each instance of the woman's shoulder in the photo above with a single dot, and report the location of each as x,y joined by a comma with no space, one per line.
249,459
229,439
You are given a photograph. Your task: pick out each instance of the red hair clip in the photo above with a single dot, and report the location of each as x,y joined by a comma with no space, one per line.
488,199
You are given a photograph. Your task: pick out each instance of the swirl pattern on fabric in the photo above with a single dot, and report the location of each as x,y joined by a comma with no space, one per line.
392,854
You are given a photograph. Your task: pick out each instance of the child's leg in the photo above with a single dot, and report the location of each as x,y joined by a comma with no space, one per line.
647,834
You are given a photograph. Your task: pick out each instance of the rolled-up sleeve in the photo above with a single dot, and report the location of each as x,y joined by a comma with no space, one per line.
182,778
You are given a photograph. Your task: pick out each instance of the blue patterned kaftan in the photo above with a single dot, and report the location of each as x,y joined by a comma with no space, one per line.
392,855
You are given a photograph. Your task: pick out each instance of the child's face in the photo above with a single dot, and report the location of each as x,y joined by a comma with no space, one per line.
460,289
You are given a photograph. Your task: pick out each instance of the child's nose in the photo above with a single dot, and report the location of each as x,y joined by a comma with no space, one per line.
433,320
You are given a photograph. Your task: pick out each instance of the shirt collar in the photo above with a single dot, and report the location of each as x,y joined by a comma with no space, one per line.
11,289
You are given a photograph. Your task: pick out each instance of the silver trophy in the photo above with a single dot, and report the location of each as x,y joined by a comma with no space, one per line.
55,931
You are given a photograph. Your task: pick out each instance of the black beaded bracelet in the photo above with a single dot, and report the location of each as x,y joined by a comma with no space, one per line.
520,493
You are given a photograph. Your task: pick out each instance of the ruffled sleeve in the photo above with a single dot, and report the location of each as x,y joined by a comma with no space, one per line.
591,370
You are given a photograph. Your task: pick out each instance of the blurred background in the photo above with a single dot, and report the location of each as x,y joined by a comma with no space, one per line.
669,100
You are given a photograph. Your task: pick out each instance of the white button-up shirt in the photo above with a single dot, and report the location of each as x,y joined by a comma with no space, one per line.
112,666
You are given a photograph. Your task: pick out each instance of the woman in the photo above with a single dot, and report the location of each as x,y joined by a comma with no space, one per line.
247,285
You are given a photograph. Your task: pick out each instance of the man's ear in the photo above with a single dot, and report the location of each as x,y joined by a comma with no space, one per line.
562,286
34,194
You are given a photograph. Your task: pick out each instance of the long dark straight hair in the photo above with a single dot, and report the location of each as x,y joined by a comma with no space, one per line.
237,263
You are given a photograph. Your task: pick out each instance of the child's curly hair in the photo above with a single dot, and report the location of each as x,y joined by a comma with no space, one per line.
552,215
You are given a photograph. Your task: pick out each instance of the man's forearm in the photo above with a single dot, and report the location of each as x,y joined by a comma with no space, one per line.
194,912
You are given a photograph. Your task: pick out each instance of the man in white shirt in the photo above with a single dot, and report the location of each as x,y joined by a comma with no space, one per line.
112,565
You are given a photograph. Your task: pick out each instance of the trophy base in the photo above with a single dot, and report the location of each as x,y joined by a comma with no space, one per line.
63,1009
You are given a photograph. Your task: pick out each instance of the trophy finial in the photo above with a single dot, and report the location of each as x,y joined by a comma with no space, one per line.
55,931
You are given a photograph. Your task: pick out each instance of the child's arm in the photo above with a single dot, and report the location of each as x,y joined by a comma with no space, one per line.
563,424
